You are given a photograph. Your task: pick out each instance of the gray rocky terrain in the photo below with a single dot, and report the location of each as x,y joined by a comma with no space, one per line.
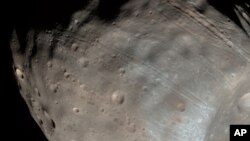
134,70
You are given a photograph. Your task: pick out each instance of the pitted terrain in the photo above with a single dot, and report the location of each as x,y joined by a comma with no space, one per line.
154,71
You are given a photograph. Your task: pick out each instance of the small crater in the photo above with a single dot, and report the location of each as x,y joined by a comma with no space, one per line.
32,99
76,110
70,28
102,110
118,121
117,97
83,62
83,86
37,92
181,107
40,122
49,64
137,14
53,124
49,123
113,56
145,88
53,88
74,46
122,71
76,22
131,128
66,75
244,103
46,114
19,74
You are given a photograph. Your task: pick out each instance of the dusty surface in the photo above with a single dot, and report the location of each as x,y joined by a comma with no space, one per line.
158,71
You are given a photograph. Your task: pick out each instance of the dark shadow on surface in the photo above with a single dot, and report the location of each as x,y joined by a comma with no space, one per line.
228,7
39,15
22,16
109,9
43,15
51,13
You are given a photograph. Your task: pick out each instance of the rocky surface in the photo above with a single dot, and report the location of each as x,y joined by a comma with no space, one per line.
142,70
